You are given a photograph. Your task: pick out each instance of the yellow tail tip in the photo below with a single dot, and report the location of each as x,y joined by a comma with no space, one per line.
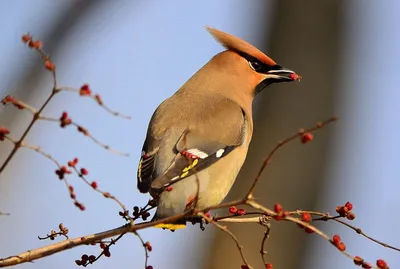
170,226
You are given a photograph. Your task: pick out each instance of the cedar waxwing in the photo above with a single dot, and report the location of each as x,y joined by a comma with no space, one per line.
197,139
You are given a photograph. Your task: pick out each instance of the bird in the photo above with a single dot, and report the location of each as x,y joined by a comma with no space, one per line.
198,138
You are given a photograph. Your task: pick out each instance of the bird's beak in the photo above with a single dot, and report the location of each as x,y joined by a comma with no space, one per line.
284,74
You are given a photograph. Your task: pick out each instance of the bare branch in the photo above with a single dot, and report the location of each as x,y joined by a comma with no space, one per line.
96,98
279,145
226,230
86,132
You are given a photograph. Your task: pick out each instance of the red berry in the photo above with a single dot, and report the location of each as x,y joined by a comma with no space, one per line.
26,38
84,171
309,230
278,208
64,115
49,65
31,43
169,188
341,246
241,212
149,267
294,77
85,90
349,206
233,210
268,266
3,132
37,44
306,217
244,266
94,185
336,239
381,264
148,246
306,137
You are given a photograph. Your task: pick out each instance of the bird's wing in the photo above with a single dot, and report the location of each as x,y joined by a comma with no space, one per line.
204,139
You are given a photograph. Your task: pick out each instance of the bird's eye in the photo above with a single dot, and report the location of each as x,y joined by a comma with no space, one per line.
256,65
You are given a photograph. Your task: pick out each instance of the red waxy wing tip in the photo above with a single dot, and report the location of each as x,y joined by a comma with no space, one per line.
232,42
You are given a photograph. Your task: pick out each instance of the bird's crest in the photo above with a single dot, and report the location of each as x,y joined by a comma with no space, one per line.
232,42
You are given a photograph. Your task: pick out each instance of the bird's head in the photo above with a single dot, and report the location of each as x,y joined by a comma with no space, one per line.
246,59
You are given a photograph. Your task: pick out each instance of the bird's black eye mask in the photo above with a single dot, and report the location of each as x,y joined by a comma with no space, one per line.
257,65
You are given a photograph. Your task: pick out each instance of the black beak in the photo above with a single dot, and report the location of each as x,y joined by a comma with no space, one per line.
283,75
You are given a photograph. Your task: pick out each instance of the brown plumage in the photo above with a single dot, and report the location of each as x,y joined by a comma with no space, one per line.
203,131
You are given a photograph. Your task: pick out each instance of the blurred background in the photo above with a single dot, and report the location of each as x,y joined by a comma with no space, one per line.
137,53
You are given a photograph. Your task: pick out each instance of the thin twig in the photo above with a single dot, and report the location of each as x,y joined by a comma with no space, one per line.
41,152
95,98
85,132
112,242
49,250
269,212
36,115
263,252
225,229
239,220
104,194
18,103
327,217
278,146
146,250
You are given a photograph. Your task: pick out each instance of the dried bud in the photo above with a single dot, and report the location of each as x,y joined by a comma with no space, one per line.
358,260
98,99
26,38
3,132
366,265
148,246
85,90
49,65
107,253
